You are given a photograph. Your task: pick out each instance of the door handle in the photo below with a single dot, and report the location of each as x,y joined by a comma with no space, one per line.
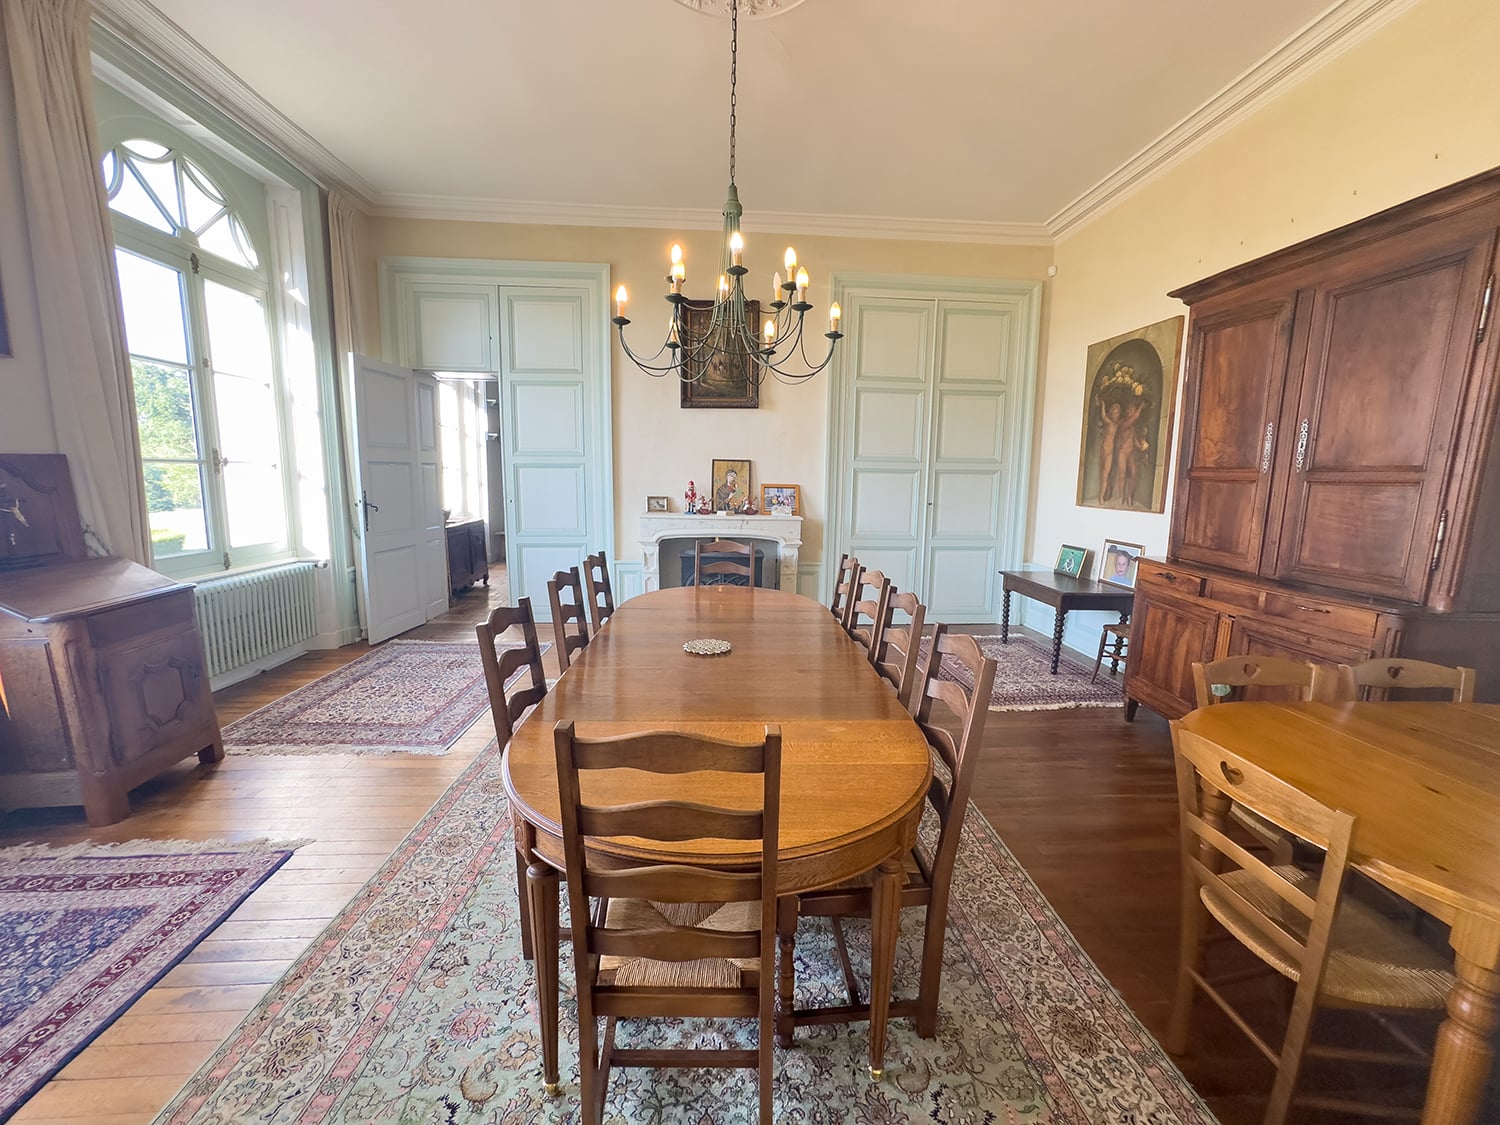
1302,436
364,501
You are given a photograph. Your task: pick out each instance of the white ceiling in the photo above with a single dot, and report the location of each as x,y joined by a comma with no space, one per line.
957,111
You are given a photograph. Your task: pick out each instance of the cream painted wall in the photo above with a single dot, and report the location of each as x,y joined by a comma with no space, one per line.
25,413
1410,109
659,446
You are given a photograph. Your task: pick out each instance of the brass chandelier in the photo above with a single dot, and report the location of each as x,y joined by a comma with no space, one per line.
703,336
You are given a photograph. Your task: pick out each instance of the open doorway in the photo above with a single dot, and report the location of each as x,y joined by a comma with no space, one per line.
472,480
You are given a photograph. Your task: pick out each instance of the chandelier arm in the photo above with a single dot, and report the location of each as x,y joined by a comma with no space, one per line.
647,365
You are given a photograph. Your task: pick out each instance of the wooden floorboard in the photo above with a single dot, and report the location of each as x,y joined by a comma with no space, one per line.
1085,801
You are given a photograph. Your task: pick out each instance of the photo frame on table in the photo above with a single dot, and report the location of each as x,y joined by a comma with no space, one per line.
656,504
731,485
1071,561
1118,563
781,499
721,380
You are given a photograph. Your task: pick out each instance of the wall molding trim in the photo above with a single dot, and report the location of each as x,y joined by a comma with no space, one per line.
1316,45
138,23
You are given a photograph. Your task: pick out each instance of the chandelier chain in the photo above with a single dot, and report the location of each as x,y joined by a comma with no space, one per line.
734,62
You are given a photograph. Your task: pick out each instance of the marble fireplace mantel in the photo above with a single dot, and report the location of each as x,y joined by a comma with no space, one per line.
784,531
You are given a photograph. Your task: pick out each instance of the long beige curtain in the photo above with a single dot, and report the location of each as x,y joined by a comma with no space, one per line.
344,267
72,253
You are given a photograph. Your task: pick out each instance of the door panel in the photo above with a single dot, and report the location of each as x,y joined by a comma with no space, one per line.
1377,416
1167,635
889,424
963,583
395,438
1237,364
452,327
555,419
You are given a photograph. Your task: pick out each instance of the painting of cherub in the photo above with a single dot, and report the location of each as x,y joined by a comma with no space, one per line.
1127,419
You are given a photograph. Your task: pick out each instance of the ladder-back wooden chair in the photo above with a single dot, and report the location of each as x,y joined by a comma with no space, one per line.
601,596
512,696
670,939
1336,950
723,571
900,645
1384,676
1218,680
929,866
846,580
870,612
570,628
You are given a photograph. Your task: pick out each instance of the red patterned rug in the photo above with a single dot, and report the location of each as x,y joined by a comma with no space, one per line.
87,932
415,1005
415,697
1024,679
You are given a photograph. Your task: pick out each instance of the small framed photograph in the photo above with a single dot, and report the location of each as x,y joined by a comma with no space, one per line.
780,500
731,485
1118,562
1071,560
656,504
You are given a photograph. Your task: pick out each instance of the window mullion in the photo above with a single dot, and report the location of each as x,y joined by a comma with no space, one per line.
203,382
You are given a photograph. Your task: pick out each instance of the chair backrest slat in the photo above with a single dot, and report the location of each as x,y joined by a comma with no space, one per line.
658,884
896,659
507,705
570,627
845,582
1399,674
1215,681
601,596
869,617
671,820
724,571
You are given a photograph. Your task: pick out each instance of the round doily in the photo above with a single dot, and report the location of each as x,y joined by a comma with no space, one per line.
708,646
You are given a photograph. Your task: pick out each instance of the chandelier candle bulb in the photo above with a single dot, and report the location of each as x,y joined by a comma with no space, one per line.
791,261
723,288
736,249
776,287
620,297
834,312
801,283
770,331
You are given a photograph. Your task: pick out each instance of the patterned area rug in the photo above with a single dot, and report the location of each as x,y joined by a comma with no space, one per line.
416,1006
88,931
411,696
1024,679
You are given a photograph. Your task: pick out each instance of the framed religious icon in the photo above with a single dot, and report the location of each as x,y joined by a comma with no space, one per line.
731,485
718,380
1118,562
1127,418
780,500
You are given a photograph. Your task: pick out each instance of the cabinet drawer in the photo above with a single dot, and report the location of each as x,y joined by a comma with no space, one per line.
1169,577
117,626
1316,616
1240,594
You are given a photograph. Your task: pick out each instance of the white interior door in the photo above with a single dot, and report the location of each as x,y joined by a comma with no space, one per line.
401,545
556,449
928,470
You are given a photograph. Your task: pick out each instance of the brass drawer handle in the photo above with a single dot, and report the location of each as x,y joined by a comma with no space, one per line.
1314,609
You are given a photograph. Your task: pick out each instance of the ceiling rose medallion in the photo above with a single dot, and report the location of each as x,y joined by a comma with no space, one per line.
753,9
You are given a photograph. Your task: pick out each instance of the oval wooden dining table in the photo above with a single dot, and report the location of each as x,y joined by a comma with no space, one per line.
855,766
1423,783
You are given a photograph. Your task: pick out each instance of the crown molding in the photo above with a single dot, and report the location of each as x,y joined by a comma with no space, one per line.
395,205
138,23
1317,44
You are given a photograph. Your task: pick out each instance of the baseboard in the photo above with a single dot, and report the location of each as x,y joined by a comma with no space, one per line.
256,667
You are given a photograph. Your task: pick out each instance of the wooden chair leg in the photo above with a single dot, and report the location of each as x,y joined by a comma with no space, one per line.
1099,659
932,969
786,932
1189,958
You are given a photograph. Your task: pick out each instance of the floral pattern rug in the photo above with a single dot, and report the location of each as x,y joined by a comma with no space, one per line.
87,931
1024,679
415,1006
411,696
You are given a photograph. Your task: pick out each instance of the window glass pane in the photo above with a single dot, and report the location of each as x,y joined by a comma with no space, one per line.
149,149
161,179
246,410
174,499
201,198
133,200
218,238
257,507
242,241
155,316
164,411
238,339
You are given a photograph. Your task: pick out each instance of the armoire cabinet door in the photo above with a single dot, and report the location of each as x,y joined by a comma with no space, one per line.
1237,364
1167,635
1366,442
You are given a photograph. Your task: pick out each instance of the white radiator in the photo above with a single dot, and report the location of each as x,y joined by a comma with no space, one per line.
248,616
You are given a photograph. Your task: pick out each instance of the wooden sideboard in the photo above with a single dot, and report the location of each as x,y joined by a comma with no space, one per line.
103,678
1337,487
468,555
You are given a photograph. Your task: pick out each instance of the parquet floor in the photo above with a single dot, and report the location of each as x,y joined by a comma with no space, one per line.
1084,800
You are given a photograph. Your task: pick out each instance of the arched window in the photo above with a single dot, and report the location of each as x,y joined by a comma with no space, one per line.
199,329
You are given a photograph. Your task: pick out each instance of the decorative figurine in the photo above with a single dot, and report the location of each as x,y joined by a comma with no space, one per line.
690,499
705,506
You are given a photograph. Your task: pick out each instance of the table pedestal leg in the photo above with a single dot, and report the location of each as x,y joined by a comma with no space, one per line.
1057,634
1005,617
1466,1041
885,926
541,900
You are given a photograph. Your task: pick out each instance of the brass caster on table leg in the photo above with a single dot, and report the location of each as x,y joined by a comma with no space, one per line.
875,1073
552,1089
